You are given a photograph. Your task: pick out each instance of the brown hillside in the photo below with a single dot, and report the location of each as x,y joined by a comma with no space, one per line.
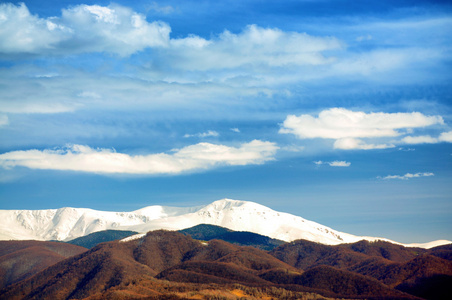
244,257
221,262
22,259
105,266
161,249
393,252
393,274
444,251
304,254
172,265
343,282
211,272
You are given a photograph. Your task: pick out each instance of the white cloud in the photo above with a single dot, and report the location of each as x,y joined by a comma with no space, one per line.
118,29
408,176
81,28
446,137
347,127
203,134
254,46
422,139
353,143
340,163
22,32
235,130
196,157
427,139
336,123
336,163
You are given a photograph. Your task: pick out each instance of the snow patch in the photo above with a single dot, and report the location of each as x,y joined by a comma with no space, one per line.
133,237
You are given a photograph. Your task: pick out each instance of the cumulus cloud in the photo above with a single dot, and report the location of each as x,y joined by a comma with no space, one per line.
203,134
407,176
348,127
196,157
81,28
336,163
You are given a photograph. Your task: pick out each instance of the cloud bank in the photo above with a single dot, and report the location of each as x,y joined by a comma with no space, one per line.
202,156
348,127
120,30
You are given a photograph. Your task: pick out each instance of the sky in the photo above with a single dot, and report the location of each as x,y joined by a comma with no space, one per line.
337,111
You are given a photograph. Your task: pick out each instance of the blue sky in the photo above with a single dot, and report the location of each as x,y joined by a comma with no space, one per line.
336,111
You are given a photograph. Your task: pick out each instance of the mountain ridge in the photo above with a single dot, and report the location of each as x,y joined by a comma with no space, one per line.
162,258
69,223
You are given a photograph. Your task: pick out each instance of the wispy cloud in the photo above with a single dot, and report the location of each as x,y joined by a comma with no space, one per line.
254,46
348,127
4,120
203,134
163,9
235,130
407,176
202,156
336,163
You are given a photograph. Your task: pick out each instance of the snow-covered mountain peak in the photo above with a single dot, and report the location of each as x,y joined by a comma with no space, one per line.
69,223
234,205
152,212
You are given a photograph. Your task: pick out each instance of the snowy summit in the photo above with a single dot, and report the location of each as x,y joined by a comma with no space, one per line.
68,223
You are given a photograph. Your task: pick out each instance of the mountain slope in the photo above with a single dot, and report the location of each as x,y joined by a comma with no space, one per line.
95,238
69,223
207,232
114,264
22,259
420,272
135,268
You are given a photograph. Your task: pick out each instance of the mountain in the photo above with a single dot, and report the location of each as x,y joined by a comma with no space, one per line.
22,259
170,265
95,238
159,254
69,223
208,232
425,273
